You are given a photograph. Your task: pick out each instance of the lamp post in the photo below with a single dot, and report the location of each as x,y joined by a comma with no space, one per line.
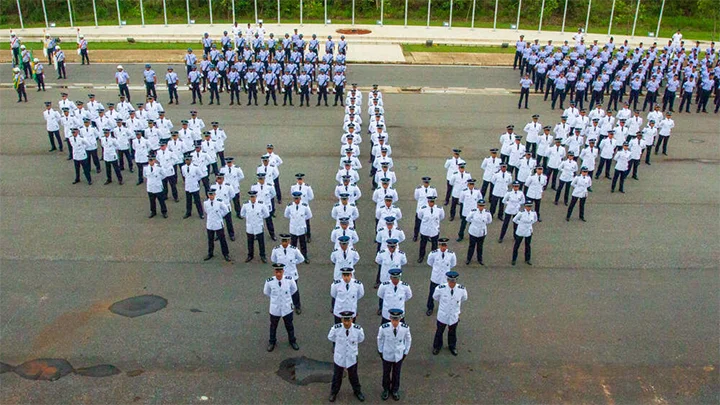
69,12
662,7
587,19
637,10
495,17
517,22
562,30
542,11
612,12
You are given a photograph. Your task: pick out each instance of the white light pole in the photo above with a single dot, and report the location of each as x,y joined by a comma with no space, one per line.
117,5
542,11
325,12
210,10
637,10
472,20
450,18
495,17
612,12
662,7
382,12
256,16
95,13
301,10
142,14
517,22
587,19
352,22
232,8
69,12
562,30
165,13
428,17
278,12
406,8
45,14
22,25
187,8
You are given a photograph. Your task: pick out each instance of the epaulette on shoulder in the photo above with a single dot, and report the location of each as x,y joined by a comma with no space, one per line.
259,202
304,204
357,327
288,278
352,229
352,204
336,281
434,251
386,282
277,247
338,325
292,247
336,204
358,282
270,279
405,283
289,204
442,286
460,286
353,249
404,325
420,186
450,251
382,251
385,325
400,251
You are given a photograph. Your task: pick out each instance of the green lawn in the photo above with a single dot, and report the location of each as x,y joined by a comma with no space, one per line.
456,48
36,46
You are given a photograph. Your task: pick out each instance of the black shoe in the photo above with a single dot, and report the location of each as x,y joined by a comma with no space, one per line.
420,259
309,239
120,182
453,351
273,237
376,285
138,183
307,261
164,214
227,258
622,191
97,170
385,395
396,396
177,200
294,346
76,181
332,398
513,262
359,395
429,312
232,238
583,219
567,219
635,177
298,310
452,219
555,202
263,259
414,238
271,347
528,262
435,351
131,170
202,216
52,150
186,216
481,262
248,259
152,215
208,257
467,262
89,182
500,240
459,239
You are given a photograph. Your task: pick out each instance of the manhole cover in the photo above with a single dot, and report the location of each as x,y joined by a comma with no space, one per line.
304,371
696,141
103,370
352,31
44,369
412,167
138,306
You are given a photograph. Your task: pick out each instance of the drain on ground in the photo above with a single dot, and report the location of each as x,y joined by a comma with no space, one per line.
304,371
138,306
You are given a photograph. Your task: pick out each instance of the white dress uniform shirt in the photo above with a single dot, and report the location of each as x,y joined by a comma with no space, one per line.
636,147
588,156
665,126
624,113
154,175
513,200
383,234
376,150
656,116
265,194
574,143
384,211
506,141
343,258
532,129
306,190
298,214
79,147
254,214
555,156
478,221
607,148
596,113
451,167
52,120
346,295
141,148
345,147
622,160
490,166
535,185
621,132
354,176
525,168
430,218
196,124
110,147
441,263
379,160
393,296
388,261
380,193
517,151
525,220
69,122
123,136
450,300
346,343
649,134
219,136
189,135
381,174
634,124
562,130
192,175
394,343
580,186
352,190
271,172
421,195
349,232
469,199
280,293
345,211
501,181
459,182
66,103
593,132
567,169
92,135
290,257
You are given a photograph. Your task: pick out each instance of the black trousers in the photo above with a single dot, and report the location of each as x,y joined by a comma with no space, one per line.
122,155
338,376
524,93
270,93
634,98
339,95
322,94
518,58
85,164
140,167
40,82
115,166
566,185
416,228
664,141
634,163
476,246
516,247
494,202
485,186
558,94
84,56
260,238
463,224
304,95
55,135
234,91
531,147
196,94
214,93
580,98
614,97
172,93
606,163
453,207
391,375
229,224
506,222
170,183
549,89
452,335
157,197
621,174
287,97
191,196
61,70
93,154
303,243
552,177
270,226
423,243
537,205
150,90
124,91
288,321
430,300
573,201
296,297
252,93
668,98
220,233
448,193
650,98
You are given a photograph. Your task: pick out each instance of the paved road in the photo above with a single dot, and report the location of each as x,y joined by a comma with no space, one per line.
364,75
622,309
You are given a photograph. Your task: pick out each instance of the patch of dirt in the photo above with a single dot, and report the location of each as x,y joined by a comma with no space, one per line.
352,31
460,58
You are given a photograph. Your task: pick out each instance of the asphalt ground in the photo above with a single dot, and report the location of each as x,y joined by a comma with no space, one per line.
364,74
621,309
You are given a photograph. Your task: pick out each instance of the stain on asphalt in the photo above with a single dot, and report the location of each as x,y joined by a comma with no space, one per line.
304,371
134,373
54,369
138,306
195,310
